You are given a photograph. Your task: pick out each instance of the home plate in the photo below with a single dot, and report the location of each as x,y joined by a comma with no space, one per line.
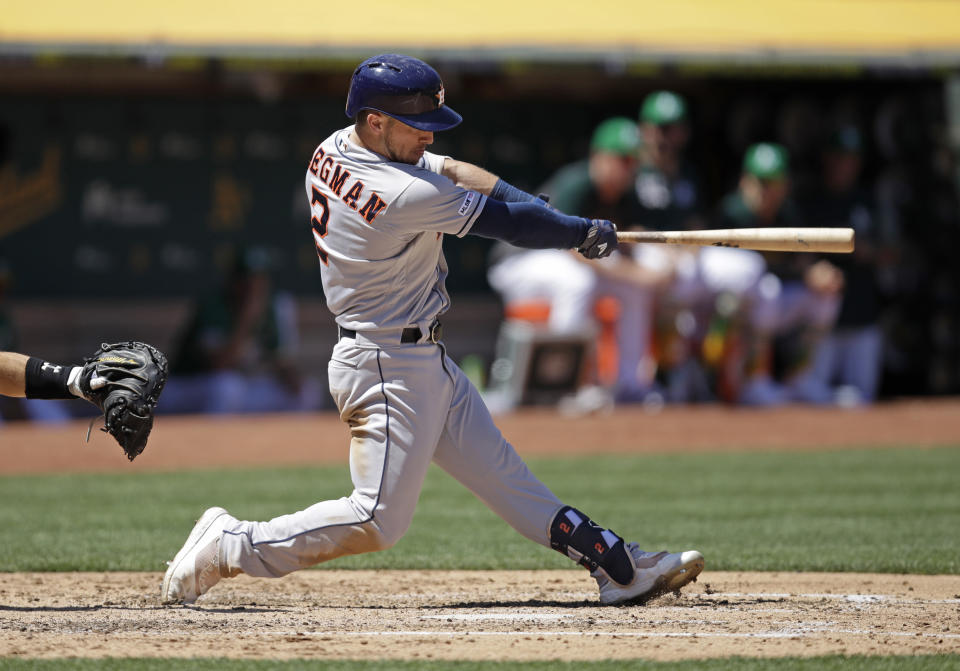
473,617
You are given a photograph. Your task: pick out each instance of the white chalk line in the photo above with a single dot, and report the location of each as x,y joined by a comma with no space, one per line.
713,596
853,598
472,617
537,617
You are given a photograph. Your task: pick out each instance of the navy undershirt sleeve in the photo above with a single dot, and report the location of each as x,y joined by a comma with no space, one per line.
530,225
510,194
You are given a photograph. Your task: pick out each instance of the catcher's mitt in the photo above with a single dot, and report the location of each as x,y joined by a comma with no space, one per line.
124,380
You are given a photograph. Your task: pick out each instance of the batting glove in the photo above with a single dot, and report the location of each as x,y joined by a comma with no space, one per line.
600,241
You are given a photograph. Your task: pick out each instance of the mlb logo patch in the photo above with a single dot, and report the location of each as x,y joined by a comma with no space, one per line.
467,202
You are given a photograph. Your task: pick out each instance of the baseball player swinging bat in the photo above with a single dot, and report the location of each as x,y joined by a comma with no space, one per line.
380,207
837,240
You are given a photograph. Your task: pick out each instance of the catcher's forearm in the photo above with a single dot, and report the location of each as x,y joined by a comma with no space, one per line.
22,375
12,374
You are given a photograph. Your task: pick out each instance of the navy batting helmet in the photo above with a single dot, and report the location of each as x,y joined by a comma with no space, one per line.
403,87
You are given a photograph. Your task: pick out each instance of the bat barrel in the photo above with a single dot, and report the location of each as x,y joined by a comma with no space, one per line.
832,240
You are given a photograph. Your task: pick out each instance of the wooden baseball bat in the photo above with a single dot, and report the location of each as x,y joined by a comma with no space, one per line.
838,240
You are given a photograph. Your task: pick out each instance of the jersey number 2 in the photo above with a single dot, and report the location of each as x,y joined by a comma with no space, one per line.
320,225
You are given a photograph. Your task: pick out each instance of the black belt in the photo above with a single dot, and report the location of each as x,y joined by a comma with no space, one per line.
408,335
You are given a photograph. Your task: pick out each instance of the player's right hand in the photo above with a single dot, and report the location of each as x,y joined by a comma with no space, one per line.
600,241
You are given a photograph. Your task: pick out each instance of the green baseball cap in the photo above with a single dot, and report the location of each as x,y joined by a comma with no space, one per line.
766,160
618,135
663,107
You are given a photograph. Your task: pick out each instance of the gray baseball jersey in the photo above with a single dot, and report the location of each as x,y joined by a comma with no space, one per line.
378,227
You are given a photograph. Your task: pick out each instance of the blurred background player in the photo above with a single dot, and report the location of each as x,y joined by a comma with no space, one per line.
698,314
851,355
561,287
667,188
796,300
236,352
568,293
669,198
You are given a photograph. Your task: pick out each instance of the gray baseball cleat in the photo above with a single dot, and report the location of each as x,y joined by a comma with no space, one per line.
655,574
196,568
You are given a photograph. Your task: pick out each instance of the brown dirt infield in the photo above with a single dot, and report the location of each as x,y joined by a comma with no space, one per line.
507,615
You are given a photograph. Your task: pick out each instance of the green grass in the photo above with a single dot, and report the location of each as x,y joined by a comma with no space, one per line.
833,663
860,510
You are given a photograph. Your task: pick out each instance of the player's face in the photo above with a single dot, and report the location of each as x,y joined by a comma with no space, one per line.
403,143
612,174
665,141
764,196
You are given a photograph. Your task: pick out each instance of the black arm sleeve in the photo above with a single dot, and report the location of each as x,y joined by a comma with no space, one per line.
530,225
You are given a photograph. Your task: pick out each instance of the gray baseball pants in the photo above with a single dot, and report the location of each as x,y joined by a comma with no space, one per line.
406,405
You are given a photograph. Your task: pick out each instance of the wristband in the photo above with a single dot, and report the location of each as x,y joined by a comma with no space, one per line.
46,380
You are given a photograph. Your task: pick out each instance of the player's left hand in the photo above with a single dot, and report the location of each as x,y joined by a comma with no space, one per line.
600,241
125,380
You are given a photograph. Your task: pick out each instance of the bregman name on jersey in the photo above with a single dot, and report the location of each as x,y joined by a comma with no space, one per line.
334,175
